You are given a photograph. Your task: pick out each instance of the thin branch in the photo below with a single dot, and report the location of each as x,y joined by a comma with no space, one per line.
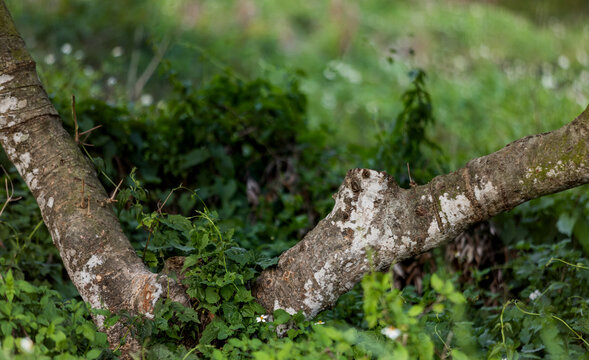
160,207
74,117
9,193
411,182
112,199
87,132
132,73
151,67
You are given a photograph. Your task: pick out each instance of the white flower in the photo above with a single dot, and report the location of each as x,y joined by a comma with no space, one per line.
262,318
534,295
88,70
50,59
117,51
111,81
146,99
563,62
320,322
548,81
66,48
79,54
26,344
391,332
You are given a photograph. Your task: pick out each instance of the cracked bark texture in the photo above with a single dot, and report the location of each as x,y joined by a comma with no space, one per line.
375,223
97,255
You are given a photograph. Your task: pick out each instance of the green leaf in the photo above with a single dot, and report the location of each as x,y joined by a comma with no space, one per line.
88,331
58,337
415,310
111,320
438,308
265,262
552,339
260,355
581,232
456,298
150,259
93,354
101,338
6,328
426,347
8,343
5,308
101,312
212,295
210,332
281,316
252,309
458,355
227,292
26,287
178,222
437,283
99,164
224,331
243,294
194,157
9,285
191,260
240,255
566,223
200,241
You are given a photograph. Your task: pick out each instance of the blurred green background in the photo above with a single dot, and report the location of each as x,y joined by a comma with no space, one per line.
498,70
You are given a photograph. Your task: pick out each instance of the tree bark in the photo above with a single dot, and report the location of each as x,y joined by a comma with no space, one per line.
97,255
373,224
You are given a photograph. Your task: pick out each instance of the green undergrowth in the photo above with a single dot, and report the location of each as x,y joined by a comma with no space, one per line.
540,316
228,173
230,236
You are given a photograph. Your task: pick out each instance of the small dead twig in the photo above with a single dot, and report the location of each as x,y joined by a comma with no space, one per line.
74,117
9,192
112,199
161,206
146,245
411,182
87,133
77,132
82,204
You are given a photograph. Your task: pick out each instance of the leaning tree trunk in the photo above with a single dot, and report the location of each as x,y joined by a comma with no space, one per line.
75,208
374,221
372,216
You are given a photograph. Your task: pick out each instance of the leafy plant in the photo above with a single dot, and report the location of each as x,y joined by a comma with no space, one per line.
36,323
405,145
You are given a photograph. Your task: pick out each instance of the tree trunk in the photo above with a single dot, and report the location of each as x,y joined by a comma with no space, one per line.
97,255
374,223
